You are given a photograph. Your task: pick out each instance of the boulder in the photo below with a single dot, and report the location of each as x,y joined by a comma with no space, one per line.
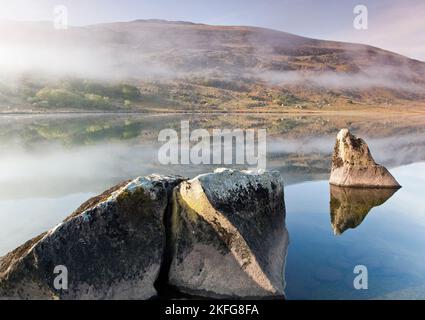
349,206
353,165
228,235
112,247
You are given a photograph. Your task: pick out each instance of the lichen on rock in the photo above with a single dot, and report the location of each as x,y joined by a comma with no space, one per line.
221,234
112,247
354,166
228,235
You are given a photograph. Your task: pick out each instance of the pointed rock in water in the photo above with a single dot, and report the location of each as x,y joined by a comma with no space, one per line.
349,206
228,235
353,165
112,247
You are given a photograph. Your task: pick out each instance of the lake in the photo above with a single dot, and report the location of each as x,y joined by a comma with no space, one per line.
50,164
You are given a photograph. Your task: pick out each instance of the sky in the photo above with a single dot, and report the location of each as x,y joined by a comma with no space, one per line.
392,24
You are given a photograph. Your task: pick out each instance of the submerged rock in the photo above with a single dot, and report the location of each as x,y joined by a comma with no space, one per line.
228,235
353,165
112,247
349,206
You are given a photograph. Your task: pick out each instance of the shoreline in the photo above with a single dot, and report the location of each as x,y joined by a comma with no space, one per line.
374,111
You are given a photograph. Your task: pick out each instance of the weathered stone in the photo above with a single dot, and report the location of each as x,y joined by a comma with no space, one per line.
112,247
353,165
228,235
349,206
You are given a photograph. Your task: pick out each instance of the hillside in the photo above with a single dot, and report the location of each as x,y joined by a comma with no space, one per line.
149,65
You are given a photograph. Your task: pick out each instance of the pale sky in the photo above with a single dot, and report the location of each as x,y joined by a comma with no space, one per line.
392,24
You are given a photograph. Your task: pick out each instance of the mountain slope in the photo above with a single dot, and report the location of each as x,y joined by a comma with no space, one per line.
197,66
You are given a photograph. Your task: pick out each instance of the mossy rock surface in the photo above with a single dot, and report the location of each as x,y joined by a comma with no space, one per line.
228,235
112,247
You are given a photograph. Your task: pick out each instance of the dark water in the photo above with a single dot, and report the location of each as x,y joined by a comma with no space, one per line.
49,165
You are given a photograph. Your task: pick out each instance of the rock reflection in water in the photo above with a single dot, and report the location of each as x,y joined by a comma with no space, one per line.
349,206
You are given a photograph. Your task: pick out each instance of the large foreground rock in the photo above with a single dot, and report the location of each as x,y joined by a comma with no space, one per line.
353,165
112,247
349,206
228,235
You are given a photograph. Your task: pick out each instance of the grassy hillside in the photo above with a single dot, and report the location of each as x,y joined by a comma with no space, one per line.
150,65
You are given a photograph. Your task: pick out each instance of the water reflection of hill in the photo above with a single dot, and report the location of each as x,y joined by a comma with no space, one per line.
92,152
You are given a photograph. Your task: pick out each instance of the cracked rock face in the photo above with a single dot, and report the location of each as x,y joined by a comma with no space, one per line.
112,247
354,166
228,235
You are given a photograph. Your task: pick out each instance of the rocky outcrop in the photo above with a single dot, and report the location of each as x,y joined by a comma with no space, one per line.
112,247
353,165
228,235
349,206
221,234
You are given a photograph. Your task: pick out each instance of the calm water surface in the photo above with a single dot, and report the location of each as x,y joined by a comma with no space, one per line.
390,242
49,165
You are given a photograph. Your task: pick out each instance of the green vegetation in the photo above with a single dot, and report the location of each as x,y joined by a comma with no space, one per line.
52,97
86,95
73,94
286,98
208,93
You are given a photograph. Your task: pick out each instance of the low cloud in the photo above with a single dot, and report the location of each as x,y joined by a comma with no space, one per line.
378,77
